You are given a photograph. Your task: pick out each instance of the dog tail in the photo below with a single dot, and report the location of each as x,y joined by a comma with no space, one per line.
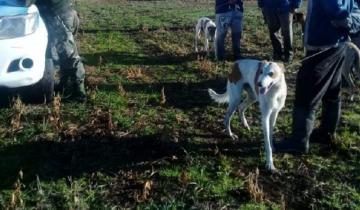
220,98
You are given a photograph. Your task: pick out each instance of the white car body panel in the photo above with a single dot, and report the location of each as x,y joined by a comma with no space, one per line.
32,46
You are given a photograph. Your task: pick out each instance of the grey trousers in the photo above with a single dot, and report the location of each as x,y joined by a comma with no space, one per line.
281,32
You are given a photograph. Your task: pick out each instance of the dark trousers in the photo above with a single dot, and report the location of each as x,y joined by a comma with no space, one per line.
317,81
280,22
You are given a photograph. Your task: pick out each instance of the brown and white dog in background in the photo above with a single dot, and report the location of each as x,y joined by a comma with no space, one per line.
206,27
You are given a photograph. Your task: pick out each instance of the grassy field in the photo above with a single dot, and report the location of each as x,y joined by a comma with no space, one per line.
149,136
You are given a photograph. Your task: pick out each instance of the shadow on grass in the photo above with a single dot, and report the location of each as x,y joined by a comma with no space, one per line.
182,95
225,147
54,160
178,95
126,58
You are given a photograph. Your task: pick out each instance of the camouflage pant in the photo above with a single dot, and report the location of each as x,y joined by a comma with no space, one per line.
62,29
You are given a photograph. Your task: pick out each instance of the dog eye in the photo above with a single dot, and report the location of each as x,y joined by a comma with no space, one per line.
271,74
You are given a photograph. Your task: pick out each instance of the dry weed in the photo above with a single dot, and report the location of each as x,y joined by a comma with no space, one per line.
205,66
162,96
100,124
282,202
253,188
16,201
144,28
100,61
134,73
55,115
121,90
184,178
18,111
93,93
71,131
147,187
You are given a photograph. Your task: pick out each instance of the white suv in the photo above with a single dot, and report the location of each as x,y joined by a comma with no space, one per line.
25,68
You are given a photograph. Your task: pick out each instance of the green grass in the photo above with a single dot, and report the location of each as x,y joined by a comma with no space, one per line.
108,149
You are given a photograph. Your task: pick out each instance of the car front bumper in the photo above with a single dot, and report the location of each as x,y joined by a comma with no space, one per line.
29,50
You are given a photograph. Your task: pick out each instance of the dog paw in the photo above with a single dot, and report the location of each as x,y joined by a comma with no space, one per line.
271,168
234,137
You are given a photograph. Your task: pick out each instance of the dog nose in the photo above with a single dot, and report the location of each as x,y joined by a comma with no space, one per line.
259,84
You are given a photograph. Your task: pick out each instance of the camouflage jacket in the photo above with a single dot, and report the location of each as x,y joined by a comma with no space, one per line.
56,6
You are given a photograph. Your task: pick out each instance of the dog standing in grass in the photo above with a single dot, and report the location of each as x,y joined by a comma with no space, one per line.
206,27
264,82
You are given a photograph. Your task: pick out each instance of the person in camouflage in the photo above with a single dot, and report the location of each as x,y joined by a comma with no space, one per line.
62,23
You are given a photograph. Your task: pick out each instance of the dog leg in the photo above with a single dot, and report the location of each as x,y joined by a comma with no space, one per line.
273,118
214,45
265,121
233,104
197,37
242,108
207,46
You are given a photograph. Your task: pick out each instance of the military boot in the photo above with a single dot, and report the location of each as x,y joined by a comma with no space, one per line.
79,93
303,123
330,117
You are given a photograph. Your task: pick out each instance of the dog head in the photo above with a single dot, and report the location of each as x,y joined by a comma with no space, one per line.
269,74
212,31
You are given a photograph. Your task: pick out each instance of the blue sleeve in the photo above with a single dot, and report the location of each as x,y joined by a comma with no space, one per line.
295,4
260,3
355,17
336,9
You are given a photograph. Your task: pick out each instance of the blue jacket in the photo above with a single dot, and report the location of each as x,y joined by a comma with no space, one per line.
222,6
280,5
355,17
330,22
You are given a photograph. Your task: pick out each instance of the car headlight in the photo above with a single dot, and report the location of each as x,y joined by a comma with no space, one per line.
18,26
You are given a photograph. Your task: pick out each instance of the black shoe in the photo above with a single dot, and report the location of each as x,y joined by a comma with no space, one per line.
81,98
75,98
322,137
78,94
291,147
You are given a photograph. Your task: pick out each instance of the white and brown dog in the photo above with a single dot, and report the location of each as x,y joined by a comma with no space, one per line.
264,82
208,28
